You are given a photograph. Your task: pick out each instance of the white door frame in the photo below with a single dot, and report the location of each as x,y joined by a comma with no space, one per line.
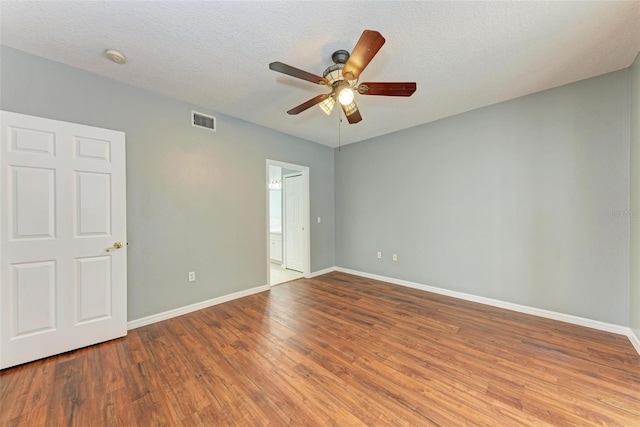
306,270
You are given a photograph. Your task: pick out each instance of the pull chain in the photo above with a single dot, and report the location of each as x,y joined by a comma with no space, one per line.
339,128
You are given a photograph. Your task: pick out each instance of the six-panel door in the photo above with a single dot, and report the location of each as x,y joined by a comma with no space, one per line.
62,206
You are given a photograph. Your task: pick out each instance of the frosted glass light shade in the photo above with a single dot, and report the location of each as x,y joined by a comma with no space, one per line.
346,96
327,105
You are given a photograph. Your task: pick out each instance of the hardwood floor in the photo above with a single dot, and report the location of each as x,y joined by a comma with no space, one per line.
336,350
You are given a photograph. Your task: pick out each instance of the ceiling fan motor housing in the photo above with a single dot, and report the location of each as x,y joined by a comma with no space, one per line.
340,56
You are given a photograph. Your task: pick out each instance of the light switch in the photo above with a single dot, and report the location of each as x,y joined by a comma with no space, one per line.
319,220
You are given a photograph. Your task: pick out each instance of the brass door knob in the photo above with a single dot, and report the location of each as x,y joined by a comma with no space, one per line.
116,245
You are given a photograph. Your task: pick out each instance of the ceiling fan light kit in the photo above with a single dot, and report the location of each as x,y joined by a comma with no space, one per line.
342,77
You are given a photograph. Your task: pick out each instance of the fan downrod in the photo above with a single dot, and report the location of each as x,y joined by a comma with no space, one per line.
340,56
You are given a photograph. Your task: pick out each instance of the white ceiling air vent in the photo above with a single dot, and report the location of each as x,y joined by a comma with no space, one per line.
203,121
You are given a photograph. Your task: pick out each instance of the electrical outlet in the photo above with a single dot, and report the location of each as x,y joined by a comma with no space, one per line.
394,257
379,255
192,276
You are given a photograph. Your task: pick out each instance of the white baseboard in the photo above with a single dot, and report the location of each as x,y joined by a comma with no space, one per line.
193,307
144,321
568,318
321,272
634,337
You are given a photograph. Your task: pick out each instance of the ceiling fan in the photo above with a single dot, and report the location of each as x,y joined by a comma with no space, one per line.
342,78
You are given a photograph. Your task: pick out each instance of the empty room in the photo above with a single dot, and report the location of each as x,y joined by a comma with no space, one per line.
319,213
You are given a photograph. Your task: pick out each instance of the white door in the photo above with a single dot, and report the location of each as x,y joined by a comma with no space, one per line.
294,222
63,285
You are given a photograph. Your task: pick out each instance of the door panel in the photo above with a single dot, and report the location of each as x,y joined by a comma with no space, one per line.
32,141
93,288
33,201
94,149
62,205
93,199
34,303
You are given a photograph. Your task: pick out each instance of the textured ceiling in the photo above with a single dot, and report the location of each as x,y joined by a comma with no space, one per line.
463,55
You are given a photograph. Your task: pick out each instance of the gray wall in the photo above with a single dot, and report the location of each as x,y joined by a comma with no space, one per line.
196,200
634,299
525,201
522,201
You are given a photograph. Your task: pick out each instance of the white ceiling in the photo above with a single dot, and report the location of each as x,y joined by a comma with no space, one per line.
463,55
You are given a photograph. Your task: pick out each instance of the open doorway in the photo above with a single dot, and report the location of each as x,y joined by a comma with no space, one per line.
288,240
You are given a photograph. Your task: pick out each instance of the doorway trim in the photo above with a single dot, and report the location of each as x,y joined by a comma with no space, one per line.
306,271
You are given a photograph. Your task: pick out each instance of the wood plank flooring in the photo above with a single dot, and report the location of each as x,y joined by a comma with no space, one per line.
336,350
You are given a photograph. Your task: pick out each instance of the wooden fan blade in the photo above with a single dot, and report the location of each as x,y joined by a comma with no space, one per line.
306,105
387,89
354,116
369,44
296,72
